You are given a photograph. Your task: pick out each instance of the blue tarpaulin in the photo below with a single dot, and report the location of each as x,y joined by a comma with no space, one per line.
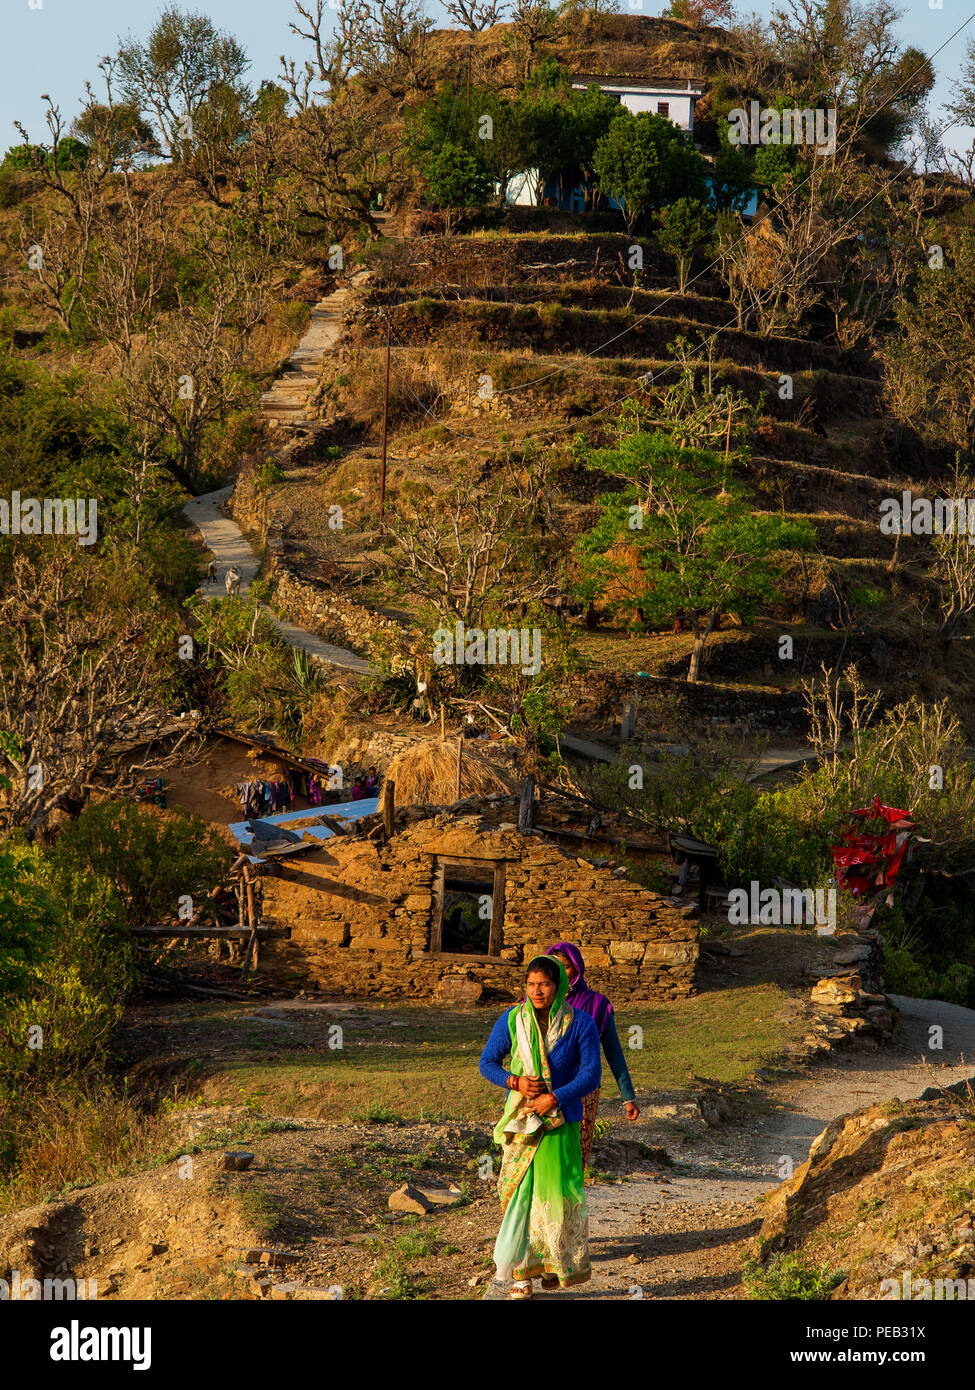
344,810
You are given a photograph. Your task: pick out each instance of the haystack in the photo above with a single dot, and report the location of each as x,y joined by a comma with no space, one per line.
426,774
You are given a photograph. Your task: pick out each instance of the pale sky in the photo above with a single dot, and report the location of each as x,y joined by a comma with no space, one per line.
55,45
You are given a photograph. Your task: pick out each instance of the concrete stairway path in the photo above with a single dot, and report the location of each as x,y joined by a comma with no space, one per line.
230,547
287,401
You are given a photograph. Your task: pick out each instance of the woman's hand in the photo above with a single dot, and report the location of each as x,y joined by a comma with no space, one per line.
542,1104
530,1086
632,1110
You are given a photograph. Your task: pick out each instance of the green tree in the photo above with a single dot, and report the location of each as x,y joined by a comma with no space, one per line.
500,140
176,69
684,227
456,180
25,913
590,115
929,367
773,165
543,117
120,129
152,859
699,548
643,161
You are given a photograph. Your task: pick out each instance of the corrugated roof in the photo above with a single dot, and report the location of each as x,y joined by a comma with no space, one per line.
343,810
689,85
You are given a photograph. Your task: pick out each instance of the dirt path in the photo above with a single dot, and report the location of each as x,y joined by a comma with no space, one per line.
230,546
685,1235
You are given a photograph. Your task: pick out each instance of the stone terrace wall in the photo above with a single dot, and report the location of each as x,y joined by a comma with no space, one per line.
360,918
340,620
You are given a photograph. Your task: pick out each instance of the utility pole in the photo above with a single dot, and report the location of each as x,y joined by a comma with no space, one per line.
382,474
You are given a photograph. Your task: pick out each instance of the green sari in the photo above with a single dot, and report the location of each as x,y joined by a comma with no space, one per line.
545,1221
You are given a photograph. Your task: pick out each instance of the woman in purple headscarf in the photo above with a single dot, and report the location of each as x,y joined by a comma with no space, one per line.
599,1008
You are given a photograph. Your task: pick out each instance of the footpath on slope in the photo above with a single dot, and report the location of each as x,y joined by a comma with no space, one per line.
230,546
285,404
684,1234
288,400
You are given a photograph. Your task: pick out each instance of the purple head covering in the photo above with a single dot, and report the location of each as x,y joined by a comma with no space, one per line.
580,996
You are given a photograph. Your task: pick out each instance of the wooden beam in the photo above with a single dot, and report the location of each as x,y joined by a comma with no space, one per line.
526,810
198,933
337,827
250,951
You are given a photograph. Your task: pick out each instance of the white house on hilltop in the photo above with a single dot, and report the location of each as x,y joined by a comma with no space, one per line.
670,97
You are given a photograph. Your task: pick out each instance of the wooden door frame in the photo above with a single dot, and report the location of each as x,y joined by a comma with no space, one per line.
444,865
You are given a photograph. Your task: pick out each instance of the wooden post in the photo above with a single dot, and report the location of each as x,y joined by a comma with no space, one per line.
250,951
389,808
442,726
382,470
627,722
526,810
460,760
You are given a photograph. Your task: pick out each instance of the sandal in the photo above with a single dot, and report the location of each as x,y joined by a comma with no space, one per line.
521,1289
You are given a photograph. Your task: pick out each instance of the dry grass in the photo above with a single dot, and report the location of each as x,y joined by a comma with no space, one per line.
72,1135
426,775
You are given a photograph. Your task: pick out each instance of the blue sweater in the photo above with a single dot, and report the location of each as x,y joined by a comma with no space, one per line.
613,1049
574,1061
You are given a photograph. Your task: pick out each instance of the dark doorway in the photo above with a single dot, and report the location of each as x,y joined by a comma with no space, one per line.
467,909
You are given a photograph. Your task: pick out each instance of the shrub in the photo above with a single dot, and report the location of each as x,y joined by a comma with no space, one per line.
152,859
270,473
790,1277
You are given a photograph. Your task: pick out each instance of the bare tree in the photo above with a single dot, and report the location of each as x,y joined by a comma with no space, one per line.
131,269
384,43
954,550
775,270
476,15
877,265
467,553
534,24
58,245
342,155
82,678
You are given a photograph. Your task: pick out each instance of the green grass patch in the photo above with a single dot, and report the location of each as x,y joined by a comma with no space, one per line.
790,1277
430,1067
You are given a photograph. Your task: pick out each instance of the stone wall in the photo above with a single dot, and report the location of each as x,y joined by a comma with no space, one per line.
339,620
360,916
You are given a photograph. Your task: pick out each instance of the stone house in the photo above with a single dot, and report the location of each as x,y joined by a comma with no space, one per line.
454,905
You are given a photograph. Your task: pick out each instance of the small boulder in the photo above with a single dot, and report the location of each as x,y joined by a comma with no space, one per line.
457,989
841,990
411,1199
236,1161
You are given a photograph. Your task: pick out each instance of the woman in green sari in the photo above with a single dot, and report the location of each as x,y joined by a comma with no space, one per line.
555,1061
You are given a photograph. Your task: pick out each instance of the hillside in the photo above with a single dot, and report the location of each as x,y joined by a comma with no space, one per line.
555,322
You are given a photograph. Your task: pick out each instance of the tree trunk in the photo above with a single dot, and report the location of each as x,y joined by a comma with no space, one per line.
697,651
